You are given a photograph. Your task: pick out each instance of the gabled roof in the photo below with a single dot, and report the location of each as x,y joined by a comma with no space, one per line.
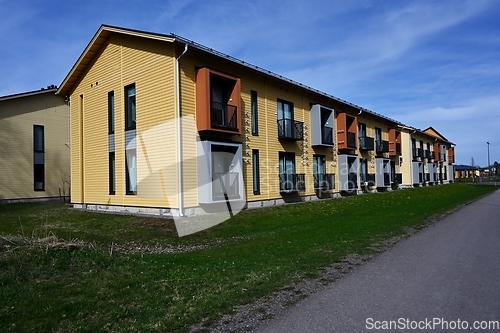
28,93
104,31
431,131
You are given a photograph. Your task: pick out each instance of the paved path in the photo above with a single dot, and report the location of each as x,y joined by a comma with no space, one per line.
449,271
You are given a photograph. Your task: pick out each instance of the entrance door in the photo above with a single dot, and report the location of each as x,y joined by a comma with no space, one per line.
319,171
225,181
287,171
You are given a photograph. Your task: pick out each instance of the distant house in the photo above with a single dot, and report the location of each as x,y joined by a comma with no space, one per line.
34,146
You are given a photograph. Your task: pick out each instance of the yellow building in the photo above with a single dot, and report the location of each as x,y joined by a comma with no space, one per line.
163,125
34,146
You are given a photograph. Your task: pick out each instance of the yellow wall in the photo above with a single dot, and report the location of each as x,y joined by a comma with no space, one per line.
125,60
17,117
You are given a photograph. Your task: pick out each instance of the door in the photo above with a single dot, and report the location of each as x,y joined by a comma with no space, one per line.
219,99
225,180
287,171
319,170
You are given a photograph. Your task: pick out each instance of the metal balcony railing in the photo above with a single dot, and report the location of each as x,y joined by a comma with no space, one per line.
366,143
292,182
224,116
397,178
324,181
382,146
290,129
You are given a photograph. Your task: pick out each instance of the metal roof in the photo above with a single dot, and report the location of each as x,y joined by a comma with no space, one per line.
28,93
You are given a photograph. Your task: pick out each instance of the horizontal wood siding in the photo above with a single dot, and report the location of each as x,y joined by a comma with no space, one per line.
17,118
150,66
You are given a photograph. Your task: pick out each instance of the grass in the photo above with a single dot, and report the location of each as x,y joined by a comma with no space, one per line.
90,288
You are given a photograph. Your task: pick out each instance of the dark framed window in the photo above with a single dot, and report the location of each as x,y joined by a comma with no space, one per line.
254,110
38,158
111,112
256,171
130,107
112,176
131,171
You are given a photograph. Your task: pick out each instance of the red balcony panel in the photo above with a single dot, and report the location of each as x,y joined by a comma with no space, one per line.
218,102
347,131
394,142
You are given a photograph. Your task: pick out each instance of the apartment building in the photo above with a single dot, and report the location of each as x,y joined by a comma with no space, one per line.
34,147
444,156
168,126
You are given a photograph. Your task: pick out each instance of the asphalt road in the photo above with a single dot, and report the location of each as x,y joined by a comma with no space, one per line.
439,280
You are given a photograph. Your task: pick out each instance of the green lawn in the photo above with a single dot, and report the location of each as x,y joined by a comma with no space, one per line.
98,287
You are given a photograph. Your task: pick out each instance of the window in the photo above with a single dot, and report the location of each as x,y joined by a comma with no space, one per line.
256,171
378,134
112,181
285,119
255,117
131,171
111,112
130,111
38,158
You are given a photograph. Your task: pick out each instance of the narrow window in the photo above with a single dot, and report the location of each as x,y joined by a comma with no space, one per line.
254,110
38,158
112,181
256,171
285,119
111,112
131,171
130,111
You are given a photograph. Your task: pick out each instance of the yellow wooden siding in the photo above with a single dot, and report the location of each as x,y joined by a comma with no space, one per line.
17,118
149,65
407,158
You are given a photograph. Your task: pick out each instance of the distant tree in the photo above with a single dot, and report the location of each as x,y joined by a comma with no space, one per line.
51,86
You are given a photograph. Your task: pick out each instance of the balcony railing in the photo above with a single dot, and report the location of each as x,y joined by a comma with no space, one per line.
327,135
417,153
367,179
290,129
224,116
382,146
366,143
351,140
292,182
324,181
225,185
397,178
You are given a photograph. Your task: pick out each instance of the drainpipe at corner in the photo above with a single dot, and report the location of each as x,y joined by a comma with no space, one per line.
179,129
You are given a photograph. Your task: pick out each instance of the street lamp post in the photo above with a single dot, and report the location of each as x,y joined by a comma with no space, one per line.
489,166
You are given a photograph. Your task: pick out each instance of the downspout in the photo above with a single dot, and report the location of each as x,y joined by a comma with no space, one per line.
179,130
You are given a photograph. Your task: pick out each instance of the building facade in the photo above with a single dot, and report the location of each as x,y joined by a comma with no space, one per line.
169,126
34,146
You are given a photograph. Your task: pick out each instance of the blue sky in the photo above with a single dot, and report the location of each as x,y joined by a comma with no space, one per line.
424,63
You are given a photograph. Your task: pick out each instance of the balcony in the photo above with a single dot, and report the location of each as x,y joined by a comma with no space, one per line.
397,178
327,136
292,182
324,181
417,153
428,154
226,186
366,143
322,123
290,129
367,179
224,116
218,102
451,155
382,146
394,142
347,130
